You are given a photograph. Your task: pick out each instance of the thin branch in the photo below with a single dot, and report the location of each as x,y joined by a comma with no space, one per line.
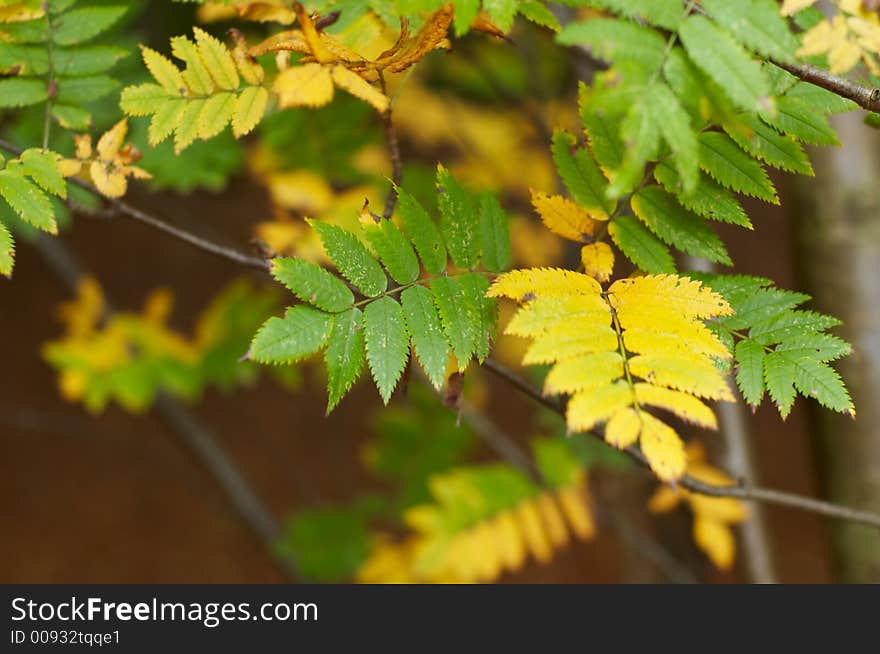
393,146
122,208
866,97
743,491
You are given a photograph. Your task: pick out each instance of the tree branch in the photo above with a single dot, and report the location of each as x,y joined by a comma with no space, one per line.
866,97
743,491
393,146
122,208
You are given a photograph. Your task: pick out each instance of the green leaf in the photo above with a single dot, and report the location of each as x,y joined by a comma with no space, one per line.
299,334
581,175
675,126
461,318
422,232
677,226
426,330
42,167
789,324
750,371
728,165
479,309
70,117
799,120
725,61
494,234
144,99
344,356
604,134
818,99
501,12
387,343
708,200
641,137
89,60
313,284
640,246
18,92
394,250
779,373
351,258
538,13
81,25
616,41
770,146
757,24
816,347
459,221
759,305
28,201
822,383
7,251
80,90
663,13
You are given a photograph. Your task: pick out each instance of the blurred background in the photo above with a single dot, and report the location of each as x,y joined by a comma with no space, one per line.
113,494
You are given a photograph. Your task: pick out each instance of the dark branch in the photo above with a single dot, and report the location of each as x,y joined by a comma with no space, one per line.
120,207
866,97
744,491
393,146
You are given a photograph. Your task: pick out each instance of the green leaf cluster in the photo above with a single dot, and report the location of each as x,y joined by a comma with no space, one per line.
401,293
59,47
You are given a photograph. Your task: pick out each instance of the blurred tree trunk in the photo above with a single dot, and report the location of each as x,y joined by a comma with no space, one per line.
838,225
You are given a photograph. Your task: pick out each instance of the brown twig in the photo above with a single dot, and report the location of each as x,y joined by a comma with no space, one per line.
743,491
866,97
393,146
120,207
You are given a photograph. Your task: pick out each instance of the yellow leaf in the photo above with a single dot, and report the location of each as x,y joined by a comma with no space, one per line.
529,520
574,502
360,88
556,531
586,410
109,182
304,86
16,12
248,67
670,292
647,334
564,217
217,59
215,114
265,12
163,71
550,314
111,141
83,146
542,282
598,260
664,499
584,373
82,315
685,406
431,36
250,105
69,167
663,448
623,428
559,345
692,375
716,540
511,548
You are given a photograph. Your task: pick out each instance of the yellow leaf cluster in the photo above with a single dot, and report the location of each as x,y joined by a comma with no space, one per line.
96,349
569,220
713,516
851,36
444,551
109,164
641,343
